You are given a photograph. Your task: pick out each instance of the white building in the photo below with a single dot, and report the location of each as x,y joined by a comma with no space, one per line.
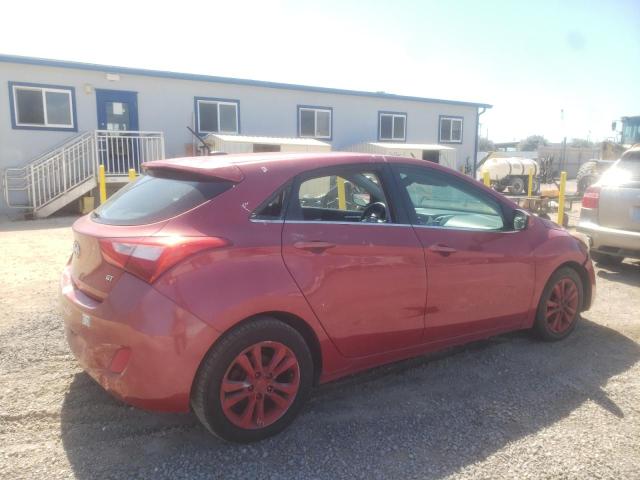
59,119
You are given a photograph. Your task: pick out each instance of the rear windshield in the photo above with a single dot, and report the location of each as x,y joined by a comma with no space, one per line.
631,163
624,173
153,198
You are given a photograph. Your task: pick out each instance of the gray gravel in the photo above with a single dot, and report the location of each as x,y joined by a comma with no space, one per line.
509,407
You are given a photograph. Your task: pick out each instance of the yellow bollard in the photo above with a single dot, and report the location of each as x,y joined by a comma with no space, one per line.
132,175
530,190
563,183
342,197
485,178
102,183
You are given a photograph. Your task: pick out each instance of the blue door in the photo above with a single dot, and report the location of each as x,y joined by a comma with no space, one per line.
119,142
117,110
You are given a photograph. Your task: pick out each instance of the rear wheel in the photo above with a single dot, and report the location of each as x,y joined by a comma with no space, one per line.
606,259
516,186
535,187
254,382
587,174
559,307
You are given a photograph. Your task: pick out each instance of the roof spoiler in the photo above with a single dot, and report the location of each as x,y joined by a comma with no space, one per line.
200,166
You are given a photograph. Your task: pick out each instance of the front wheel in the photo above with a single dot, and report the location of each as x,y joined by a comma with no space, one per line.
559,307
253,383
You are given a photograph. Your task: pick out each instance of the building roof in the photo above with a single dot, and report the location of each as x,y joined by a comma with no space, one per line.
411,146
227,80
267,140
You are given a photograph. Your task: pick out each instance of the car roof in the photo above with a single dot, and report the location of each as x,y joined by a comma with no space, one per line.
233,166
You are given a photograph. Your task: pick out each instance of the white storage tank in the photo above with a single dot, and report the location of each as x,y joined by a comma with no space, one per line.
445,156
501,168
250,144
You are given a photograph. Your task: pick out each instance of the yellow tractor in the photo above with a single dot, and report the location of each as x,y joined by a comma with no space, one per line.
610,151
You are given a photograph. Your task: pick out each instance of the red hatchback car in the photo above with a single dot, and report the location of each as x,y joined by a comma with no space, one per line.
231,285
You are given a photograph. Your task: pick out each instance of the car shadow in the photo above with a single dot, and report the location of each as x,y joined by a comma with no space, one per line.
54,221
627,273
430,416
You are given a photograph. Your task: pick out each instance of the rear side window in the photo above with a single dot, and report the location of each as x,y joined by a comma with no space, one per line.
274,207
154,198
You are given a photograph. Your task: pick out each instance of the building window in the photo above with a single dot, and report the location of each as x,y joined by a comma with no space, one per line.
450,129
314,122
42,106
392,126
217,116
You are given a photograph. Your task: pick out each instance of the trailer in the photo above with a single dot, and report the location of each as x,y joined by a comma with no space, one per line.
510,173
251,144
445,156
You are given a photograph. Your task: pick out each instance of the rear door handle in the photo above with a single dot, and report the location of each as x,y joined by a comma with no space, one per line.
314,246
443,250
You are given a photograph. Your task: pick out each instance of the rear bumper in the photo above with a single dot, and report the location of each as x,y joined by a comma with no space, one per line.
162,343
610,240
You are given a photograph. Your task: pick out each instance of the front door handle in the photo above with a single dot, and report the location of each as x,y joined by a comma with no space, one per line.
316,246
442,249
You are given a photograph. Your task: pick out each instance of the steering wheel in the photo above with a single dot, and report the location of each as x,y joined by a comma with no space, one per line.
375,212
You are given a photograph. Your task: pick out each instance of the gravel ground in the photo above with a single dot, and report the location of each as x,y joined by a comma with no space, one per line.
509,407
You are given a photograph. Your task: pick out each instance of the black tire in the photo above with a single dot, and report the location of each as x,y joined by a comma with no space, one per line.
541,326
605,259
535,187
205,395
587,175
517,186
498,187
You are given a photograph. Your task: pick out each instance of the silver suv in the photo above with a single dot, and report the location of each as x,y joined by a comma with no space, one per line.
610,214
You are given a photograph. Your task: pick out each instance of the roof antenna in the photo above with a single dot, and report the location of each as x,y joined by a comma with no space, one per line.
204,146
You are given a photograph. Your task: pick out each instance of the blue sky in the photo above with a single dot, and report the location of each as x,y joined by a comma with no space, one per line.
529,59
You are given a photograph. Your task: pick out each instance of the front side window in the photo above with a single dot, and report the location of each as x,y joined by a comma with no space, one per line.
450,129
439,200
217,116
345,197
392,126
314,122
42,106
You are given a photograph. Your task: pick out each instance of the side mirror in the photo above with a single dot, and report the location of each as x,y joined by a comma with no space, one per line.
520,220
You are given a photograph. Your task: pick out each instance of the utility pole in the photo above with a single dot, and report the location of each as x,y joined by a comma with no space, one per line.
563,156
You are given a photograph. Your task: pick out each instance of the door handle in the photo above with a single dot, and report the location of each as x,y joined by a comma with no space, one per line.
442,249
314,246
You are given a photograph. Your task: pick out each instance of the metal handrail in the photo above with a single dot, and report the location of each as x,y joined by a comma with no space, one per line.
53,174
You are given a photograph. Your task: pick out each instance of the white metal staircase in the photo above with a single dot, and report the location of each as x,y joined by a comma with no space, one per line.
69,171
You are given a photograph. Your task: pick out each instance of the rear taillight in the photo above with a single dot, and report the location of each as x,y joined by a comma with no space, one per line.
149,257
591,197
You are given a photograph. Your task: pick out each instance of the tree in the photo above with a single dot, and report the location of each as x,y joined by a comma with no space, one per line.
532,142
485,145
581,143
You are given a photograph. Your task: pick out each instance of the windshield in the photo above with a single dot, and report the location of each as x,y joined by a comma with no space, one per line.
631,131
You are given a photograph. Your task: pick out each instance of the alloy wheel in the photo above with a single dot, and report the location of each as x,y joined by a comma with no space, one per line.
260,385
562,306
